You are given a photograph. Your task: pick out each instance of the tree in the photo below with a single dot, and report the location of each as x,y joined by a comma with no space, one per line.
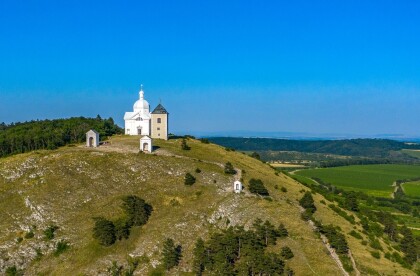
171,254
307,202
350,202
256,155
282,231
229,169
409,246
287,253
136,210
256,186
189,179
104,231
199,254
184,145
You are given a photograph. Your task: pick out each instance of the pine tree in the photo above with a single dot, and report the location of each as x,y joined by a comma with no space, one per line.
171,254
199,257
189,179
307,202
256,186
287,253
282,231
136,210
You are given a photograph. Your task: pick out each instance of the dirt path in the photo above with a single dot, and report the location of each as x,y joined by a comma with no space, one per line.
332,252
395,189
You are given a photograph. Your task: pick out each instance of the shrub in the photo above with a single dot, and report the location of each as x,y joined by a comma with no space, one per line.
375,244
189,179
198,170
205,141
355,234
184,145
13,271
256,155
376,254
19,239
104,231
256,186
61,247
283,189
49,233
29,235
229,169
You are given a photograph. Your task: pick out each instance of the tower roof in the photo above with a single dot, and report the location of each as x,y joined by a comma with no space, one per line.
160,110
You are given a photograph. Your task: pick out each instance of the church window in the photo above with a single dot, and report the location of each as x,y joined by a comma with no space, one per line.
158,134
159,120
158,128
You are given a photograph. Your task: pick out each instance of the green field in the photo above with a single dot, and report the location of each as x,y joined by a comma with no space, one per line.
412,153
375,180
412,188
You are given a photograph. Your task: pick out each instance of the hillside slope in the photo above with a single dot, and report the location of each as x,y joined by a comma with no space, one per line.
68,186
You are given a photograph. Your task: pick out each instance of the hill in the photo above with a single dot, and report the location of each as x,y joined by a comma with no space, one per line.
374,148
68,186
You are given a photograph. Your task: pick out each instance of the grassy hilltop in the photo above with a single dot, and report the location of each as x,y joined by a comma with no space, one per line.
68,186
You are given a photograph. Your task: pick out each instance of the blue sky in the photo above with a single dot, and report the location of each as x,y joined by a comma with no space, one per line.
342,67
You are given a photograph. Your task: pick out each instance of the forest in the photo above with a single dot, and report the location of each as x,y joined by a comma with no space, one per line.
50,134
377,148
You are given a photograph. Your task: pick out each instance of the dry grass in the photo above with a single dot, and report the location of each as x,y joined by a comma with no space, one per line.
71,185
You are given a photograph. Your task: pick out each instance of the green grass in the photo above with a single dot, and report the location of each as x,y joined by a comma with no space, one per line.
412,153
412,188
375,180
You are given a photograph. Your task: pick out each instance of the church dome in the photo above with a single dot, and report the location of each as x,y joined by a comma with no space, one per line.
141,104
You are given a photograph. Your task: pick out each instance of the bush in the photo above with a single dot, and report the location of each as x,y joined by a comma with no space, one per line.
283,189
376,254
198,170
286,253
13,271
189,179
205,141
355,234
49,233
104,231
229,168
256,186
61,247
375,244
184,145
29,235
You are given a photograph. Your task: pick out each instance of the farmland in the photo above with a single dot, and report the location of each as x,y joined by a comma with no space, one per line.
375,180
412,189
412,153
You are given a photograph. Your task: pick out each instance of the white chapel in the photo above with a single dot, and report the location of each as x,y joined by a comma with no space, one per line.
143,122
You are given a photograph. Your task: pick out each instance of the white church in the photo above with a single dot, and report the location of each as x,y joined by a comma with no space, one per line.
145,123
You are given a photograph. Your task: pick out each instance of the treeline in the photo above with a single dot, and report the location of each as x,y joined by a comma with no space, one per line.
351,147
50,134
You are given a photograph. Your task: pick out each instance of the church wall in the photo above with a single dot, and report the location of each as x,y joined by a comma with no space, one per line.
159,130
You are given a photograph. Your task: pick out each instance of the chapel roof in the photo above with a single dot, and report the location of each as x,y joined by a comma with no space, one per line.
160,110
